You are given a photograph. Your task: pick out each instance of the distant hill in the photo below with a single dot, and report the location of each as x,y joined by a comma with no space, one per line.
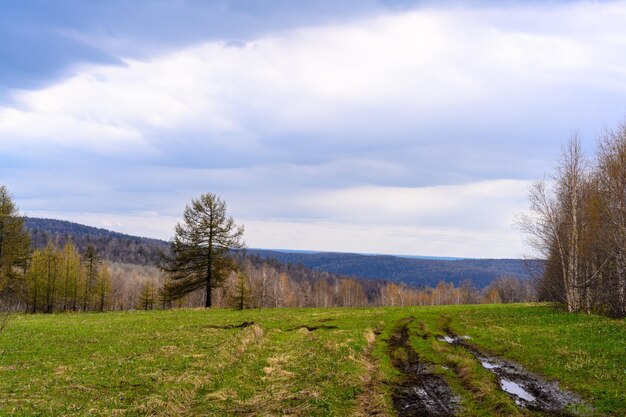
114,246
119,247
410,271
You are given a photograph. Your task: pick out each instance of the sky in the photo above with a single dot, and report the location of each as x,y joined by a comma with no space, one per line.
373,126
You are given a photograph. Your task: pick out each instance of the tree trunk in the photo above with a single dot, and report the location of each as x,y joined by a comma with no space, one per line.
207,302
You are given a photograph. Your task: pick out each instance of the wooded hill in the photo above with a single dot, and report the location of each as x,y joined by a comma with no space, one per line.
112,246
119,247
410,271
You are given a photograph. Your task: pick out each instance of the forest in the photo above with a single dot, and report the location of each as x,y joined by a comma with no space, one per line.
411,271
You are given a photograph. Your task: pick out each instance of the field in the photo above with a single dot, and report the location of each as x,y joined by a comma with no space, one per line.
300,361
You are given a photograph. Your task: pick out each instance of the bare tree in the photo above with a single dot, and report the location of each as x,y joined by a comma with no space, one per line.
611,175
554,225
579,228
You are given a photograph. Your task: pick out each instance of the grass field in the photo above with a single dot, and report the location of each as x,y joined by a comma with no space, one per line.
198,362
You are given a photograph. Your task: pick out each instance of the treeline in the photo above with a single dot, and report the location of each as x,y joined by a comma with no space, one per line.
262,284
64,280
60,279
578,223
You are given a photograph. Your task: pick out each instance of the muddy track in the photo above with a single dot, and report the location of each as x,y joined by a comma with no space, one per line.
230,326
420,392
525,388
313,328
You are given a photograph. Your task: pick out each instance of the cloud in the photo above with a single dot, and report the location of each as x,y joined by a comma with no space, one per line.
371,82
431,118
383,239
461,206
58,35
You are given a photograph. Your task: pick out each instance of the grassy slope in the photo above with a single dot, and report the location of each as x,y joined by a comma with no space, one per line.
171,362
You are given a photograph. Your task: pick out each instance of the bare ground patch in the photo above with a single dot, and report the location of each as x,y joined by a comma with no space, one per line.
230,326
313,328
420,392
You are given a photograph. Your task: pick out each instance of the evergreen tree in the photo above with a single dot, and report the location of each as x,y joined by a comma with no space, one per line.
70,276
36,282
14,248
52,260
103,287
91,261
239,295
201,250
147,298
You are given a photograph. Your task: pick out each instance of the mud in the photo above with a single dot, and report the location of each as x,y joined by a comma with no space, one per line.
527,389
231,326
421,392
313,328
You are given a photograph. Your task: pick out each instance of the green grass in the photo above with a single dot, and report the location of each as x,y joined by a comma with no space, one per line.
173,363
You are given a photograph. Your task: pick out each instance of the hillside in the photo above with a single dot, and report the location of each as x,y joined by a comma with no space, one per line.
410,271
119,247
113,246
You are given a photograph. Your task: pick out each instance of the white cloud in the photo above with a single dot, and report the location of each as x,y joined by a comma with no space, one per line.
412,67
318,136
464,206
383,239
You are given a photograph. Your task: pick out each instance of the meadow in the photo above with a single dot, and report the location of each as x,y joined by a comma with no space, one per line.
306,362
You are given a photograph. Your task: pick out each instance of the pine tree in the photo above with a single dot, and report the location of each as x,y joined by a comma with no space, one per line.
201,250
239,294
147,298
35,279
91,261
70,276
103,287
14,248
52,259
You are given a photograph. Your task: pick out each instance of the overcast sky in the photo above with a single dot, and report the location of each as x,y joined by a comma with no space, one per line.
356,126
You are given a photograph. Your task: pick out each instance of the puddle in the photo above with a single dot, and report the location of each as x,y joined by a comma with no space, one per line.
514,388
453,339
488,365
525,388
421,393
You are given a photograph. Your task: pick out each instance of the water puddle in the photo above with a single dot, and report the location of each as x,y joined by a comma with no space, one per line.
453,339
488,365
513,388
526,389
